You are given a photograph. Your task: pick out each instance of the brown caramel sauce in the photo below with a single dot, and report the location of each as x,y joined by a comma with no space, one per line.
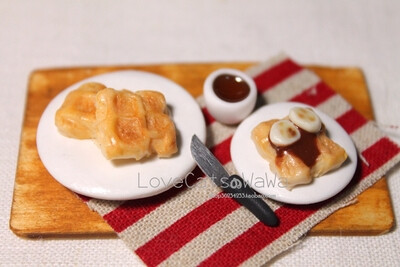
305,148
230,88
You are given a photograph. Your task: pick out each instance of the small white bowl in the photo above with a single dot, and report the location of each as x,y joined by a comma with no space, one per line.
224,111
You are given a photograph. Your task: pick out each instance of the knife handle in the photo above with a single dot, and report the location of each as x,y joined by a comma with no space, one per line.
246,196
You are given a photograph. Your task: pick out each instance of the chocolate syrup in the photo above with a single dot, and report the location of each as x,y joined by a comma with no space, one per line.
305,149
230,88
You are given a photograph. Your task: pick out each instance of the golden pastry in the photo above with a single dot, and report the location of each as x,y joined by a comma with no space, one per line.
77,116
122,123
161,127
297,147
133,125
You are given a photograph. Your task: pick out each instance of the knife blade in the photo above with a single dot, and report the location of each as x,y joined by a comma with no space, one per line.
234,185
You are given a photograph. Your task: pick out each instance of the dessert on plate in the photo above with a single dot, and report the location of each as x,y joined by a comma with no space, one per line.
123,124
297,147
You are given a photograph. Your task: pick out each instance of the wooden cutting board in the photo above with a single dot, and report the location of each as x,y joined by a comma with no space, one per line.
43,207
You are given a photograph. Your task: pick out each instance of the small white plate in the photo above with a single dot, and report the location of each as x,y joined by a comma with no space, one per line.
255,170
80,166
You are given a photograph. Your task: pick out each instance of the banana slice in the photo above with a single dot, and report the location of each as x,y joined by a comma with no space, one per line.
306,119
284,133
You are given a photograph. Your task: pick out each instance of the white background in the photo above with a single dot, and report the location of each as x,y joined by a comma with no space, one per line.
43,34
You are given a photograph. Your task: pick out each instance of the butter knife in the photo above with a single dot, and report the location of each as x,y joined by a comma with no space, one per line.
234,185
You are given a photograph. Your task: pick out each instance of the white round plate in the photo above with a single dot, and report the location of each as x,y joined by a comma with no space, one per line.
255,170
80,166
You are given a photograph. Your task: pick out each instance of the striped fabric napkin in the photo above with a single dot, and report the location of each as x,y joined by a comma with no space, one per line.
197,225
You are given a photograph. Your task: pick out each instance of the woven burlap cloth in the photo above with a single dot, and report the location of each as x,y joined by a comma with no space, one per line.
194,225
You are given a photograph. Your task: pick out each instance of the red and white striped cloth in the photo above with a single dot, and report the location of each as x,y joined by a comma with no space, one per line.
194,225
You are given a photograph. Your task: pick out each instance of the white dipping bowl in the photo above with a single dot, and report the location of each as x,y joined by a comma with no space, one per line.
229,112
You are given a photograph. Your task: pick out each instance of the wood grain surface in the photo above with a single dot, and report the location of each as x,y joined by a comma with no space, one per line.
43,207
